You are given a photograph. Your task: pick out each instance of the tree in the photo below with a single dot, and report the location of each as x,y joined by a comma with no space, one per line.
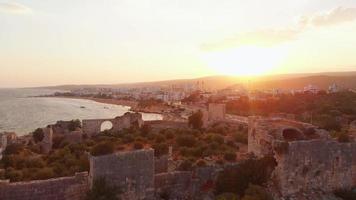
74,124
101,190
186,141
38,135
102,148
196,120
344,138
13,149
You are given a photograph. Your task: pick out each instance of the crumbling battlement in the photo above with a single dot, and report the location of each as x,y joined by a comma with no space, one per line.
93,126
132,171
65,188
263,132
307,158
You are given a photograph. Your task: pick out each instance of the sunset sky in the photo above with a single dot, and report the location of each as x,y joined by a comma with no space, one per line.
51,42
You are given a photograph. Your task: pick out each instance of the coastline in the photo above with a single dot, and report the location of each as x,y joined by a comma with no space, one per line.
129,103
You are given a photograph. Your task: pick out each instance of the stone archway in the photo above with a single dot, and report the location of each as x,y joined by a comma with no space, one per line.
106,125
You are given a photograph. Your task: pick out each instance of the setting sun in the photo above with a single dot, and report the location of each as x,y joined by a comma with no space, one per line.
245,60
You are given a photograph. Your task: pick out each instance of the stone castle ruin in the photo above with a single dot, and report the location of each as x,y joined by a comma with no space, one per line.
214,113
307,158
93,126
134,172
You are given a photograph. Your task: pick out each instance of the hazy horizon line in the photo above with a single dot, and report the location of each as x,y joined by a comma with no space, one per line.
187,79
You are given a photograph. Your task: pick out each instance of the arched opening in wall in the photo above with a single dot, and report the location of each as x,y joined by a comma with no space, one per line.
106,125
291,134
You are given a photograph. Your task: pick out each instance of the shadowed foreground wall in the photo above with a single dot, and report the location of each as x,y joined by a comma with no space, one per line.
132,171
73,188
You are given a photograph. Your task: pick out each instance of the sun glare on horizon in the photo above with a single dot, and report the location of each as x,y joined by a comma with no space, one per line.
246,60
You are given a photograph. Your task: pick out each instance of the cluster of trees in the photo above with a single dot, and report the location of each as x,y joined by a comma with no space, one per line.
149,102
322,109
25,162
22,164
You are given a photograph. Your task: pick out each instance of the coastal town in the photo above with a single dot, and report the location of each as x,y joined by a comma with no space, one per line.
209,145
177,100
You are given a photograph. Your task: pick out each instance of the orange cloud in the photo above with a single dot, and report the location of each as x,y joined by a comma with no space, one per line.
270,37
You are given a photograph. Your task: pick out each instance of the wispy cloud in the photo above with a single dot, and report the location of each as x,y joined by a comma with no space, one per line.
270,37
14,8
332,17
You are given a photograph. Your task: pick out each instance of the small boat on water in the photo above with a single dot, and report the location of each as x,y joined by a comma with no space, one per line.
82,106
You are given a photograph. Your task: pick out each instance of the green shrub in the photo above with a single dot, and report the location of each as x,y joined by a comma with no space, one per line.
35,163
196,120
227,196
159,139
230,156
201,163
138,145
344,138
13,149
169,134
218,139
186,165
74,124
44,173
145,130
102,148
128,138
13,175
252,171
241,138
160,149
38,135
186,141
58,141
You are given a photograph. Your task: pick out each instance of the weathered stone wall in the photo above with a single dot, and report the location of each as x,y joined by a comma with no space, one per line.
173,185
73,137
46,143
259,142
65,188
162,124
161,164
204,179
93,126
307,158
324,165
216,111
197,184
132,171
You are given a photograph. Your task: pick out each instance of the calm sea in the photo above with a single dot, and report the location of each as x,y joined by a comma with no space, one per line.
22,114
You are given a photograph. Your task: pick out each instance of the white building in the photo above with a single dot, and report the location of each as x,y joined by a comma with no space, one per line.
311,89
333,88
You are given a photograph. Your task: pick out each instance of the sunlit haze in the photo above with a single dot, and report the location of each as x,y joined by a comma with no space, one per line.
116,41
